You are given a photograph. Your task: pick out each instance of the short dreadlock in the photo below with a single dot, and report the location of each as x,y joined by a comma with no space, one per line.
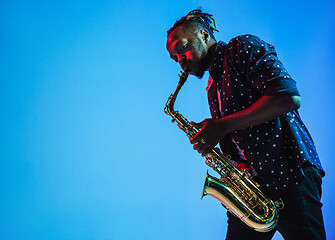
195,18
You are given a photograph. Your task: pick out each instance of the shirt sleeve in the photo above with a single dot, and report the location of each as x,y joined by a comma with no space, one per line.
258,62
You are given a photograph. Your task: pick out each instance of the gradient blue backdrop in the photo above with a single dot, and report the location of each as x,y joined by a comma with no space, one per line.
86,149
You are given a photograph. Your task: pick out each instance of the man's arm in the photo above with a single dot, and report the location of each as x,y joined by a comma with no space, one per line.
265,109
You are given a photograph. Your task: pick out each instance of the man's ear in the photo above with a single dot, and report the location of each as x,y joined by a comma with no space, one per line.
205,35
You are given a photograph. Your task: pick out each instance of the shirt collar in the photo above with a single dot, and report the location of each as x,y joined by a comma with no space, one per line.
216,66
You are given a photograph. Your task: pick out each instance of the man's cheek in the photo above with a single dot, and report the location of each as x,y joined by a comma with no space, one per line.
189,56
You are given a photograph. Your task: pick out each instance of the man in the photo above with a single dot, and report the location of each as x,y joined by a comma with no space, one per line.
253,103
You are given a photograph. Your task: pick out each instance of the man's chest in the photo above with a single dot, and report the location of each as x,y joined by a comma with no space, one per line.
233,91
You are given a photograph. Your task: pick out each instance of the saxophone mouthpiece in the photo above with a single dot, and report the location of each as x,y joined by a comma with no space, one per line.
183,76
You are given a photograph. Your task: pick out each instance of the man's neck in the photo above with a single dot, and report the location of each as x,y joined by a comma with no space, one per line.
210,54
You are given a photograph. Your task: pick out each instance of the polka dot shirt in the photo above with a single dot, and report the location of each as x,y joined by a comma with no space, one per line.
241,72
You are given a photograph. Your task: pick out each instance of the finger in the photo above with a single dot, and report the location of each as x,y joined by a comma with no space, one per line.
202,148
202,123
196,146
206,148
198,125
200,134
197,137
204,151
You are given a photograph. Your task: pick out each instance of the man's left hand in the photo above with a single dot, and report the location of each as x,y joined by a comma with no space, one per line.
212,132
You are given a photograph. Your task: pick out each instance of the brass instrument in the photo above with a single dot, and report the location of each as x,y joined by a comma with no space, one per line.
235,189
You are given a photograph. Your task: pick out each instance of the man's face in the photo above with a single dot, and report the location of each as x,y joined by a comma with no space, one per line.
189,49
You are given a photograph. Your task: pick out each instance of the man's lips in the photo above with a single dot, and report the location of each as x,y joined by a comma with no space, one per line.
184,67
187,67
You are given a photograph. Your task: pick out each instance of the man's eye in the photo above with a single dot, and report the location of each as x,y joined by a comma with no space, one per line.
184,46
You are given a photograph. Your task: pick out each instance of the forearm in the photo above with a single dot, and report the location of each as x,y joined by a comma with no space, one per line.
265,109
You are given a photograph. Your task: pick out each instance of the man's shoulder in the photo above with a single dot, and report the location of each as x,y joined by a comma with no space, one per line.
245,38
248,42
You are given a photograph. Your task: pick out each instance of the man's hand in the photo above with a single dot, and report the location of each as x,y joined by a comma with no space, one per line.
212,132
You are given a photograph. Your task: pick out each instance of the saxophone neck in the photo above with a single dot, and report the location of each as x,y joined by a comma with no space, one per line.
169,107
182,79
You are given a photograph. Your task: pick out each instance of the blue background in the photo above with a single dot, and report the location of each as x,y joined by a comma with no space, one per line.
86,149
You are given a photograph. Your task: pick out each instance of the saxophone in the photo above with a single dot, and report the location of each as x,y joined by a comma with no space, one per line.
235,189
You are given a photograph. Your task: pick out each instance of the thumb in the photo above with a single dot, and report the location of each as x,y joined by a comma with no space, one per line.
198,125
200,134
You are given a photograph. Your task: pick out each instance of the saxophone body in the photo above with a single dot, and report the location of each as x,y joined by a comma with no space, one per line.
235,189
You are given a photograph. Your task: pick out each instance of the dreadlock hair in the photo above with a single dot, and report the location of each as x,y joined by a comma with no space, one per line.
195,19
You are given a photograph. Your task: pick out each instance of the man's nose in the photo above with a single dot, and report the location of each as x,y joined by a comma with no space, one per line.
181,59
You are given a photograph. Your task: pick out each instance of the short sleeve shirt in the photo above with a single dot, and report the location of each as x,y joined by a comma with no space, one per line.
241,72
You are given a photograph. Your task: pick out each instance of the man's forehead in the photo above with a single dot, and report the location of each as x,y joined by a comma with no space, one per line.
175,36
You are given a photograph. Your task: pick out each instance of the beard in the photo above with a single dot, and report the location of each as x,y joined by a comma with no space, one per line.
201,66
201,69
